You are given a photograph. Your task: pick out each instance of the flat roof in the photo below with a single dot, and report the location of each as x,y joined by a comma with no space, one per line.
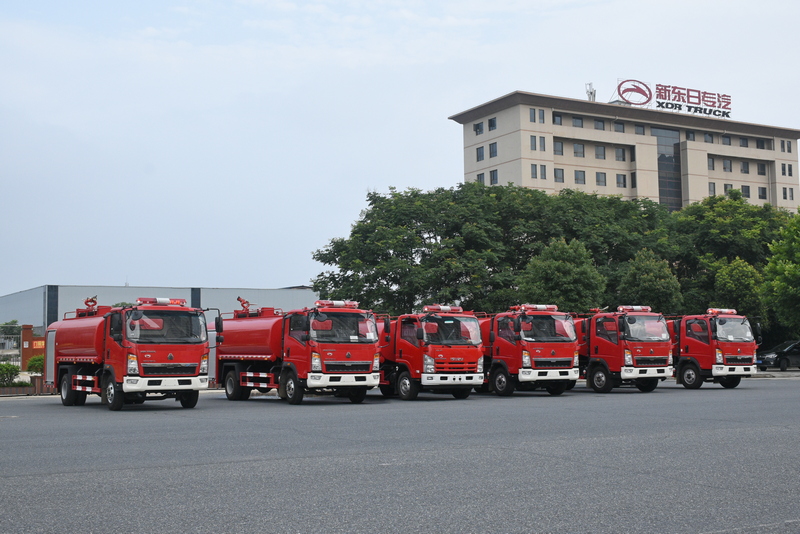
617,111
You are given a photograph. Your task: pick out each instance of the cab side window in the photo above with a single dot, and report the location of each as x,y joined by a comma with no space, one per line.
408,330
505,328
606,328
115,325
697,329
297,324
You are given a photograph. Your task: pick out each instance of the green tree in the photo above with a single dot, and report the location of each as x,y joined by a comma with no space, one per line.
10,328
782,275
563,274
738,285
648,281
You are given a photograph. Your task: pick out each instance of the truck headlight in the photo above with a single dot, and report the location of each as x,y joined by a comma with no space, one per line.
526,359
755,356
376,363
628,358
479,369
428,364
719,356
316,362
133,365
575,359
669,358
204,364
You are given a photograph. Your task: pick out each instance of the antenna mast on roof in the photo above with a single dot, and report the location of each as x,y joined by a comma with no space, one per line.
591,93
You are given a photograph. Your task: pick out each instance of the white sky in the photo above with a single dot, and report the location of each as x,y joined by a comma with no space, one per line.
217,143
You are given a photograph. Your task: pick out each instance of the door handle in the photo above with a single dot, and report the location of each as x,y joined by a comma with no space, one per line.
596,349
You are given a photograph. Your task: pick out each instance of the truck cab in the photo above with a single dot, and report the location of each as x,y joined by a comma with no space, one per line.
530,346
719,347
628,347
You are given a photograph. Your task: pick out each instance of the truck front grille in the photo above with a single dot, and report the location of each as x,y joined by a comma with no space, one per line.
456,367
348,367
651,361
739,360
169,369
563,363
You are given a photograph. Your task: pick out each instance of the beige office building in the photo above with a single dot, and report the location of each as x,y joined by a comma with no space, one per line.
551,143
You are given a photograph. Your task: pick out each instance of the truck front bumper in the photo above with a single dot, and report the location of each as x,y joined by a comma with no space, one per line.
733,370
321,380
139,384
451,380
541,375
632,373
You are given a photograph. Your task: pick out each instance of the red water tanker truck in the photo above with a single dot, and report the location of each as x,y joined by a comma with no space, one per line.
438,350
631,346
530,346
153,350
331,348
718,346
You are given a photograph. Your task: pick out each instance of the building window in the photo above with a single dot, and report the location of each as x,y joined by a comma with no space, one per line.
558,148
745,167
493,177
726,140
558,175
689,135
791,193
599,124
762,193
622,180
533,142
783,145
708,138
712,189
727,166
492,150
743,142
761,144
784,194
480,178
788,146
577,122
533,171
578,148
492,123
746,191
541,116
790,169
556,118
580,178
599,152
543,172
633,180
726,188
532,115
710,163
478,127
638,129
620,154
541,143
600,178
762,169
633,153
783,169
619,127
479,153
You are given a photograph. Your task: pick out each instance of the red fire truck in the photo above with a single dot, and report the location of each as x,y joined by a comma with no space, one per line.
438,350
530,346
156,349
629,346
331,348
716,347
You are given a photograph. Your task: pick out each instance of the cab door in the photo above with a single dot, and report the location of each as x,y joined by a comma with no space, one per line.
116,357
606,343
409,348
295,343
696,342
505,345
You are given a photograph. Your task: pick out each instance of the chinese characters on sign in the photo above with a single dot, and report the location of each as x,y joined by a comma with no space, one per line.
676,98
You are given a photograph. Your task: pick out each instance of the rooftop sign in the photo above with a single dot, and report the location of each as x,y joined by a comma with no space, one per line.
674,98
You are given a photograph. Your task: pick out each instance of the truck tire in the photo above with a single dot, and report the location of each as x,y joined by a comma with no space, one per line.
80,398
502,383
116,399
462,393
357,395
189,398
407,388
784,364
571,384
67,393
294,391
387,390
762,369
600,380
233,389
690,377
556,389
730,382
646,385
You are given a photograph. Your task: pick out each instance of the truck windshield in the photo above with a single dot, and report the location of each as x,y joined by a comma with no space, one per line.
645,328
734,329
165,326
550,328
340,327
451,330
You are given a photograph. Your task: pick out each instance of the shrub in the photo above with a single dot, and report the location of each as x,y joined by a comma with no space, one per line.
36,364
8,373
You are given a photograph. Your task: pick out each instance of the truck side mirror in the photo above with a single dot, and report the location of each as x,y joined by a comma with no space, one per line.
491,337
218,323
387,325
517,324
220,339
420,334
305,337
117,337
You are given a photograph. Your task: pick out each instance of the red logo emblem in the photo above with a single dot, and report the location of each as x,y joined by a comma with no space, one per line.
634,92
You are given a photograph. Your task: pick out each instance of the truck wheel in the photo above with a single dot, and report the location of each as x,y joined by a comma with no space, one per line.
784,365
407,388
294,392
387,390
762,369
233,390
80,398
189,398
571,384
556,389
462,393
67,393
600,380
502,382
730,382
114,395
357,395
646,385
690,377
